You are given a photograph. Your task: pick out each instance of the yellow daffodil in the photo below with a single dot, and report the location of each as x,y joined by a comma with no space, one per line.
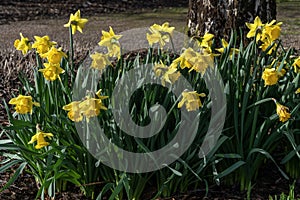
255,27
76,22
23,104
282,111
23,44
169,74
91,107
100,61
206,40
225,45
184,60
74,113
201,62
296,65
111,41
160,34
54,55
191,100
266,43
271,76
39,137
42,44
272,31
297,91
51,71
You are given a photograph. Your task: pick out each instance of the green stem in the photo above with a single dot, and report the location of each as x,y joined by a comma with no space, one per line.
71,56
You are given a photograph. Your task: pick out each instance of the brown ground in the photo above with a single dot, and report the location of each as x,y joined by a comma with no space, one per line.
48,19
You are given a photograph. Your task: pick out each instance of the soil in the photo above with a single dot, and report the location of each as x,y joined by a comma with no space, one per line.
47,18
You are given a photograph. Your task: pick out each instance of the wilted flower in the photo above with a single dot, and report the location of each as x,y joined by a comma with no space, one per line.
23,44
74,113
40,138
42,44
191,100
282,111
76,22
160,34
100,61
111,41
54,55
23,104
51,71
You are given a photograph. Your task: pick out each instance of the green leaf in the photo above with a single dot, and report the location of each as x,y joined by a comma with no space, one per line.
173,170
228,155
106,188
17,173
8,165
230,169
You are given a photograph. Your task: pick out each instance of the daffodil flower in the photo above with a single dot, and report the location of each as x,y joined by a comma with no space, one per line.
160,34
42,44
91,107
111,41
74,113
201,62
296,65
100,61
39,137
191,100
54,55
51,71
255,27
206,40
184,60
23,44
23,104
272,31
282,111
169,74
225,44
76,22
297,91
271,76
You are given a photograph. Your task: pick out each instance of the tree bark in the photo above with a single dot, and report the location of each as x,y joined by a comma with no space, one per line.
220,16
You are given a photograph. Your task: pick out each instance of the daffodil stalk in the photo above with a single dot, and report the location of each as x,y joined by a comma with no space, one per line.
71,56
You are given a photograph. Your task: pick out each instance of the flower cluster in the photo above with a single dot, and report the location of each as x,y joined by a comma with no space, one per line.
47,50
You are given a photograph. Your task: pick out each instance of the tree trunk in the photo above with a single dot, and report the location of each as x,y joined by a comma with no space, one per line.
220,16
